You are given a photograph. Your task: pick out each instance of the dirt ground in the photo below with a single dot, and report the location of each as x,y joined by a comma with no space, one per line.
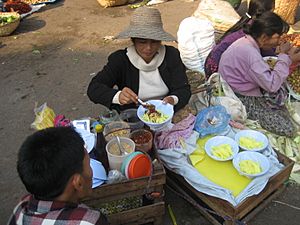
51,58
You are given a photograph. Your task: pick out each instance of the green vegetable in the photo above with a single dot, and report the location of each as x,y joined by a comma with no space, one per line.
222,151
7,19
250,143
250,167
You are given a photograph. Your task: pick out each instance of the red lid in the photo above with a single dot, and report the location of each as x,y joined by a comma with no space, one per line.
139,166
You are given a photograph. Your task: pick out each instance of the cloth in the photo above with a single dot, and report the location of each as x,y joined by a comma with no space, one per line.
31,211
212,61
212,169
244,69
121,72
176,159
274,120
151,84
175,136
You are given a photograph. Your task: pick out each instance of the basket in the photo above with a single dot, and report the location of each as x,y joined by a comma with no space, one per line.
7,29
287,9
110,3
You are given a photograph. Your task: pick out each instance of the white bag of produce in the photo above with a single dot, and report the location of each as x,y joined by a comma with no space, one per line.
195,40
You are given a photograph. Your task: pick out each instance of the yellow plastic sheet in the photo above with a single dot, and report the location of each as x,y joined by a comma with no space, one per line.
221,173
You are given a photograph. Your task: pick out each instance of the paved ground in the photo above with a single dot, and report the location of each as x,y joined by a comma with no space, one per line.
50,58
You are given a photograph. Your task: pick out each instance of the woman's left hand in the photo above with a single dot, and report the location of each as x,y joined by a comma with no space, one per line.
169,100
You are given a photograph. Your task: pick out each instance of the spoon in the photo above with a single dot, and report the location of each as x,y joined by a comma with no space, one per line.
146,104
121,149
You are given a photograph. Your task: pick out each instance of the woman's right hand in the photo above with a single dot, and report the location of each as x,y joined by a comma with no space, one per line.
127,96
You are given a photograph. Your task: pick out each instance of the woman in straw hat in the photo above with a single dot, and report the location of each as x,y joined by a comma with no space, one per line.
145,70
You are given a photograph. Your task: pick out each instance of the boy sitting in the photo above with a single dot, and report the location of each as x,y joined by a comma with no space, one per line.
55,169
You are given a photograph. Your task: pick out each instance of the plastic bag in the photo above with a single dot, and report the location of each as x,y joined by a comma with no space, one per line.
229,100
115,176
196,38
212,120
220,13
44,117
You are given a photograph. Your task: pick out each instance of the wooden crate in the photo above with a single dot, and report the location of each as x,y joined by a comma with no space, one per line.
219,211
149,212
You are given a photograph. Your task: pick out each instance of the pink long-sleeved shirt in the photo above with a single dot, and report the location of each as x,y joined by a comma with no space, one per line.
244,69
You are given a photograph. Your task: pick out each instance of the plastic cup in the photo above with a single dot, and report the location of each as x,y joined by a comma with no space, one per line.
116,128
115,159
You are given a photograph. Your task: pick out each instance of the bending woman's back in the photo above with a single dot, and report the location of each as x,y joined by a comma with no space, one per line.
257,85
256,9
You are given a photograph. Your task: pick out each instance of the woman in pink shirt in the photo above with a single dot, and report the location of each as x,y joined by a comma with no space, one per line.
257,85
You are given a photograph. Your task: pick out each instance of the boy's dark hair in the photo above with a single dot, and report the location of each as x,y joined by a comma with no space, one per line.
269,23
256,9
48,158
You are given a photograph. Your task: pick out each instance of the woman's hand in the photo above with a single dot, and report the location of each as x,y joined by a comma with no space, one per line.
284,47
294,54
127,96
169,100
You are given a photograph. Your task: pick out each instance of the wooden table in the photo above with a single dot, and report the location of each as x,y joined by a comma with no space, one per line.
149,211
219,211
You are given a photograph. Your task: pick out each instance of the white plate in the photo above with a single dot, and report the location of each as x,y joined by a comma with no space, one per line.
88,138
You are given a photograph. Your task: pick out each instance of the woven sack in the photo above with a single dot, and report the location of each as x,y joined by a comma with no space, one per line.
110,3
7,29
287,9
220,13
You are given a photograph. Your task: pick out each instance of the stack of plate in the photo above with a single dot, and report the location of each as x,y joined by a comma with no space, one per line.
136,164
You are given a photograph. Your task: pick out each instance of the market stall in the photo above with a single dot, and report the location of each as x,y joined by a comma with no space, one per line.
215,188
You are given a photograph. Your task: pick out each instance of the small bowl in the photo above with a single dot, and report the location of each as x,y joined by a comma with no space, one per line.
219,140
254,156
166,109
143,139
258,136
130,116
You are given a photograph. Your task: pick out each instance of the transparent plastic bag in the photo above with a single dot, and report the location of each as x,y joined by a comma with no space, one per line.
115,176
212,120
44,117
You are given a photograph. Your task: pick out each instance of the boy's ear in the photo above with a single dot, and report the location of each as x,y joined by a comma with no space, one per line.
77,182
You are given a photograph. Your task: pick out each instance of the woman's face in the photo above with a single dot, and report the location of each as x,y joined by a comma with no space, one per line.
146,48
265,42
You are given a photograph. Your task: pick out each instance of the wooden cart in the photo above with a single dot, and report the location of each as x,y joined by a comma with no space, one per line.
219,211
149,211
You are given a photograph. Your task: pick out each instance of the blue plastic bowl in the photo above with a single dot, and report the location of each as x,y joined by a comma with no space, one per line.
218,140
254,156
166,109
258,136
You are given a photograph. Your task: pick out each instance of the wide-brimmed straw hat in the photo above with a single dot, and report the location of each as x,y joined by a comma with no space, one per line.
146,23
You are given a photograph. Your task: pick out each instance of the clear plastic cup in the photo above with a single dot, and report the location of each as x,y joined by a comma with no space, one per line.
116,128
115,157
